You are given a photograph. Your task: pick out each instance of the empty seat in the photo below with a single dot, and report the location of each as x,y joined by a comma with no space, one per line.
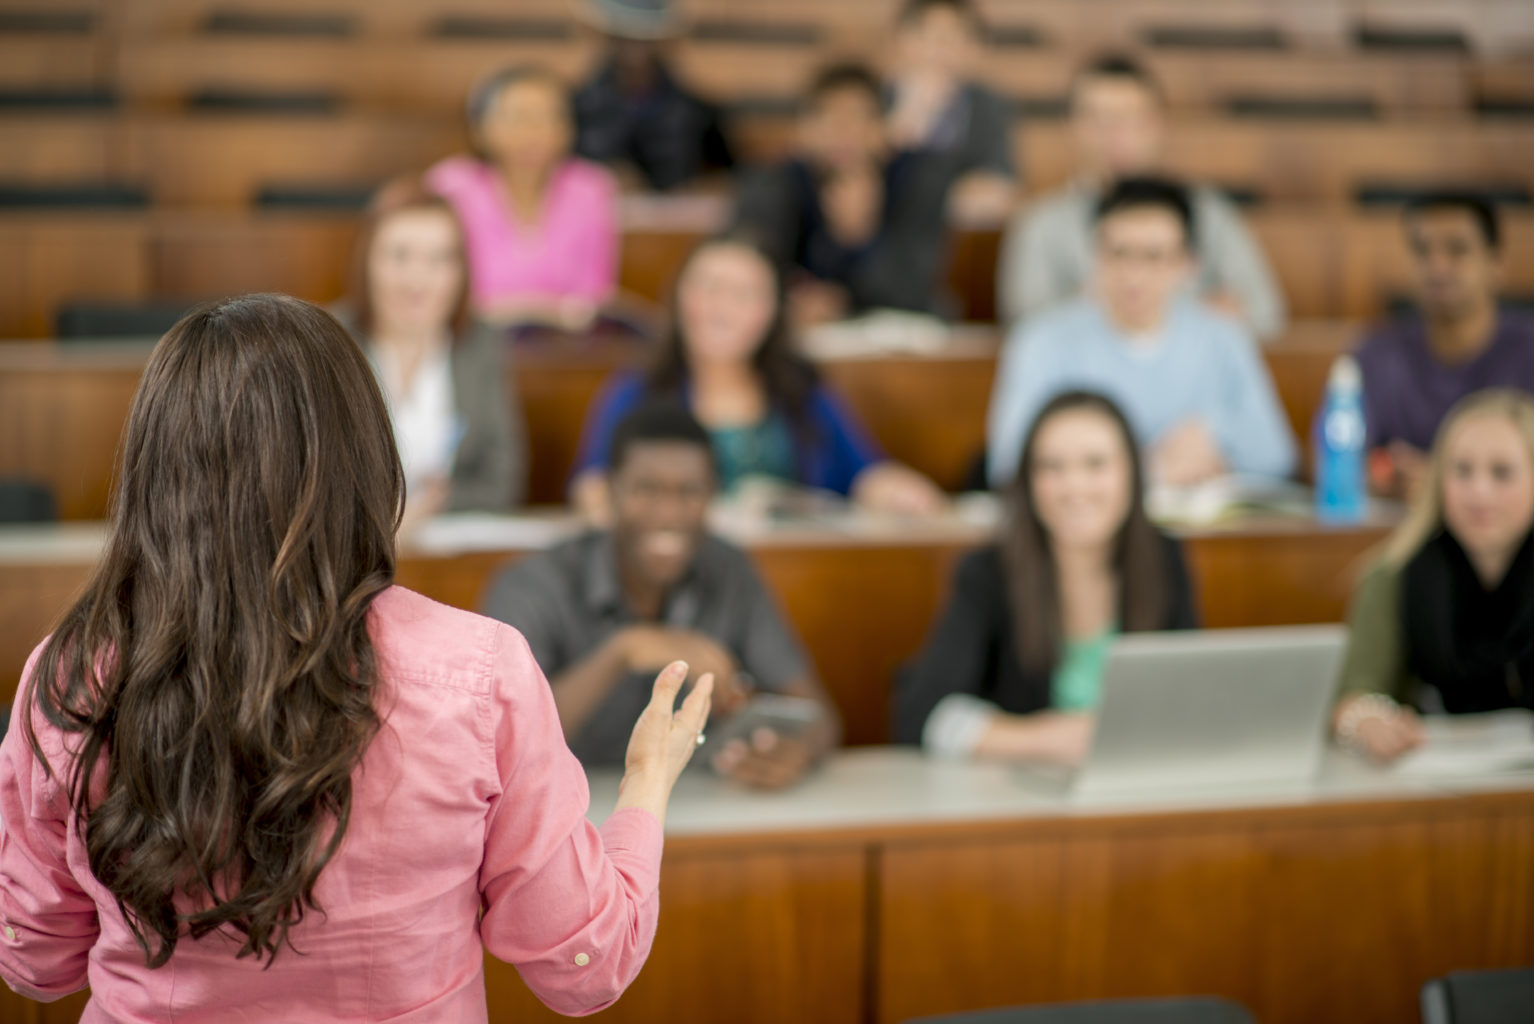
1304,107
58,100
1214,37
1381,37
97,320
229,101
314,197
114,195
1387,193
286,23
26,501
1479,997
472,27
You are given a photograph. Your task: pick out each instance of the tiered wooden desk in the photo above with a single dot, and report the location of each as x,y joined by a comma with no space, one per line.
890,886
861,590
62,406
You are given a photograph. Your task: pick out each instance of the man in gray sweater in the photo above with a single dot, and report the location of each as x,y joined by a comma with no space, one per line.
1118,126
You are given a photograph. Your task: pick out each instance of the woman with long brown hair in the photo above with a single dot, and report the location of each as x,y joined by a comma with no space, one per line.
1444,619
730,359
255,779
1013,667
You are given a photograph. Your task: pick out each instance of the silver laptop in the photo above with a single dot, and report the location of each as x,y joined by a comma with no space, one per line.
1212,710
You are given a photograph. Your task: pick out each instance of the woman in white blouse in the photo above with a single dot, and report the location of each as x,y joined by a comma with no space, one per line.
457,425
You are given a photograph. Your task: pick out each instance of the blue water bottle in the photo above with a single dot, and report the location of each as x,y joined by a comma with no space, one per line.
1342,494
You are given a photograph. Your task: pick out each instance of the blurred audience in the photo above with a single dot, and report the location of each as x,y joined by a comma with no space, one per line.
1118,126
633,114
444,375
1013,667
728,358
541,224
1445,618
936,106
603,610
856,224
1189,378
1457,341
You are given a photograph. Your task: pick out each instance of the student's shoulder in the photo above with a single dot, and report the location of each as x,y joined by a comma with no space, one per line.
1050,212
1219,332
1214,206
982,569
1058,328
722,560
456,174
1384,339
554,573
588,179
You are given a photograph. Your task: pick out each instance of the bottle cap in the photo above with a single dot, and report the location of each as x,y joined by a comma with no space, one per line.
1345,376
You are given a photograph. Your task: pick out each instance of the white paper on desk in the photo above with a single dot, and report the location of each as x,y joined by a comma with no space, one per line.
1214,499
454,534
880,333
1497,741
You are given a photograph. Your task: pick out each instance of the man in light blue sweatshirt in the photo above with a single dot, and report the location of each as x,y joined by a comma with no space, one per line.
1190,379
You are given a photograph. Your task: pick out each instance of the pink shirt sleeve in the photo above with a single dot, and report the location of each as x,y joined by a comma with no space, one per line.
595,273
47,922
573,907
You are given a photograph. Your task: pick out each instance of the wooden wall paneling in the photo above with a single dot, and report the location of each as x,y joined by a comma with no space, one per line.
1336,913
49,150
1254,578
205,256
1410,898
836,599
32,598
61,428
223,160
400,75
755,936
46,260
50,60
927,413
556,393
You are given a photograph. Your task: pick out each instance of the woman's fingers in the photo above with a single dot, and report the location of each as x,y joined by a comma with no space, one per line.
667,685
694,713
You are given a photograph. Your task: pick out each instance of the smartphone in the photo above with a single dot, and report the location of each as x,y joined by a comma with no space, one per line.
787,716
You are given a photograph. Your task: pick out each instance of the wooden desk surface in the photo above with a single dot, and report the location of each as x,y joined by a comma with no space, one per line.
861,590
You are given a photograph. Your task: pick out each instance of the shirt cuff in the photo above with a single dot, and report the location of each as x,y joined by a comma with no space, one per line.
637,833
955,726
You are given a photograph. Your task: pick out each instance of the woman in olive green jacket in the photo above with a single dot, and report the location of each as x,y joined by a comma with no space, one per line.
1444,619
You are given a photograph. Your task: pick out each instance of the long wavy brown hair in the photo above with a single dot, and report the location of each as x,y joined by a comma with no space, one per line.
1139,552
217,672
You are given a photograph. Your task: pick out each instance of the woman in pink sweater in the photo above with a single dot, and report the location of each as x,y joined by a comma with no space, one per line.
541,224
253,779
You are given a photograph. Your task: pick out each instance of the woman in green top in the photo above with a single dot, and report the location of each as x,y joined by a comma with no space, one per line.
1012,668
1445,618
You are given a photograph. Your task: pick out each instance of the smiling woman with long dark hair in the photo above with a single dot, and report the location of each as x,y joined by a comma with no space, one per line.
254,778
1013,668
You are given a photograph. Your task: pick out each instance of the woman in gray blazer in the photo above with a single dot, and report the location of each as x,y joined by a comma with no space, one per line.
457,424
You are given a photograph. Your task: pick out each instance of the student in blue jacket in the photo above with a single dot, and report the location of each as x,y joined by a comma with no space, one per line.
768,414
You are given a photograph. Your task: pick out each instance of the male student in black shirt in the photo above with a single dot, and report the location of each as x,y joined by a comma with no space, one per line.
855,224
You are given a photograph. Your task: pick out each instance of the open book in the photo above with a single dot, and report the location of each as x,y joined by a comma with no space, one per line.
1225,496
